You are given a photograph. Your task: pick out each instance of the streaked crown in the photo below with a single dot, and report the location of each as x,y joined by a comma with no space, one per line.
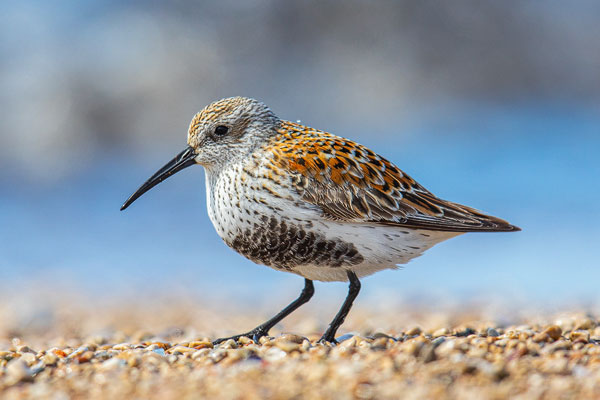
229,129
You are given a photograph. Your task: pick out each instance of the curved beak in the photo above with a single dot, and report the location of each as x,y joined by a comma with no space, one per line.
181,161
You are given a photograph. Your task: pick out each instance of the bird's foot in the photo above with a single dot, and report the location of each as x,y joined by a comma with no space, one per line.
327,339
255,334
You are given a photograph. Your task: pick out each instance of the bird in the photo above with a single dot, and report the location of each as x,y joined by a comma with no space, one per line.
305,201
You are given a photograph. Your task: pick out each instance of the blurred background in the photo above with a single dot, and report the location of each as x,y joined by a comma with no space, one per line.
492,104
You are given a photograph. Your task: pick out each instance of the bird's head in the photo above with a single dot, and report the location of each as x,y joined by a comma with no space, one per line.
223,132
229,129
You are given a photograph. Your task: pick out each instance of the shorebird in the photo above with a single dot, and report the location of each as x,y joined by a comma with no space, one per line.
305,201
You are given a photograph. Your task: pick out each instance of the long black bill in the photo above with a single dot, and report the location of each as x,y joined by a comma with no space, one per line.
181,161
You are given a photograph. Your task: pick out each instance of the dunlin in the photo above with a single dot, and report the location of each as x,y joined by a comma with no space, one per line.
305,201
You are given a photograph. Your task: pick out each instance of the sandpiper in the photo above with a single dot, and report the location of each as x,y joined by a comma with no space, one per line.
305,201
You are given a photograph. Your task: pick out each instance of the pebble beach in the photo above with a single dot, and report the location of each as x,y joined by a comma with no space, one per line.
78,350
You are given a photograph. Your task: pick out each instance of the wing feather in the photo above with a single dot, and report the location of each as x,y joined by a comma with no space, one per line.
349,182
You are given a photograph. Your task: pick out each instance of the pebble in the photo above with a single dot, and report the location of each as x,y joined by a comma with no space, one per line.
440,332
413,331
580,336
553,331
287,345
25,349
465,331
50,359
290,337
180,350
17,371
29,358
111,364
492,332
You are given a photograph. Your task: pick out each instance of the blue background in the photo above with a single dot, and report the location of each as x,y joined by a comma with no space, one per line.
493,106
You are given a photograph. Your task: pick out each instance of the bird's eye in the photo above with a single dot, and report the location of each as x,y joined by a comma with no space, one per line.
221,130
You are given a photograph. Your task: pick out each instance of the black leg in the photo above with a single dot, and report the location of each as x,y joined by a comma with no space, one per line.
263,329
353,289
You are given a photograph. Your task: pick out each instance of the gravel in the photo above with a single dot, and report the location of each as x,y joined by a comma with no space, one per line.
456,355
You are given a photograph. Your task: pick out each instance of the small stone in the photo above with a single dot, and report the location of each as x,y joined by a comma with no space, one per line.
122,346
348,342
264,340
492,332
440,332
553,331
160,351
446,347
50,359
412,347
244,340
586,324
580,336
172,358
465,332
29,358
202,345
414,331
558,345
163,345
290,337
427,353
380,343
200,354
79,351
91,346
60,353
344,337
218,355
180,349
229,344
305,345
17,371
85,357
287,346
541,337
112,363
274,354
102,355
363,343
378,335
25,349
134,360
234,355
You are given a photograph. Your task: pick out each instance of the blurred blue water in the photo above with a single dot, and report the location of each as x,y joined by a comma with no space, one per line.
537,167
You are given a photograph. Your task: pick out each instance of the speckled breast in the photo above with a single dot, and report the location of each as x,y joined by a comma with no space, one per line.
260,221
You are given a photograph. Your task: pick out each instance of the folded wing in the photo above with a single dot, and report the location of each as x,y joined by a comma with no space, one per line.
349,182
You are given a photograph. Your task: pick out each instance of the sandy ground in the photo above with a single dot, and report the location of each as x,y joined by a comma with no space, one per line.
160,349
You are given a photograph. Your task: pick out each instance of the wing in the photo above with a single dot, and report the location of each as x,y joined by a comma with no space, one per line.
351,183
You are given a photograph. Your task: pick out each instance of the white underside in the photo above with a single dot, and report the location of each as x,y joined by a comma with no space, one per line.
381,246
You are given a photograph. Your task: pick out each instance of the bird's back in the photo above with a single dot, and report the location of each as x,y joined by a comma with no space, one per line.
351,183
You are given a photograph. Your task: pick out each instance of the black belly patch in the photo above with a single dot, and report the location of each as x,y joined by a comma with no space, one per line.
282,245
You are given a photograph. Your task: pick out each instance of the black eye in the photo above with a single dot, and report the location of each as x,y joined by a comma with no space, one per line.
221,130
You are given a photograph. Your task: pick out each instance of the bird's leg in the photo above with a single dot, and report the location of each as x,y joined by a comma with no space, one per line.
263,329
353,289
